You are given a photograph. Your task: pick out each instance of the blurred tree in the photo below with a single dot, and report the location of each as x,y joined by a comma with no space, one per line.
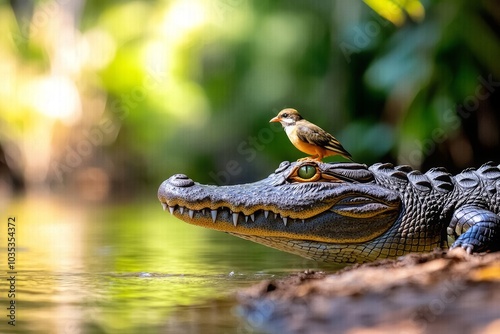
123,94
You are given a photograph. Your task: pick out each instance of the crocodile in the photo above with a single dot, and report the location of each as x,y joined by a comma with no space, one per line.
348,212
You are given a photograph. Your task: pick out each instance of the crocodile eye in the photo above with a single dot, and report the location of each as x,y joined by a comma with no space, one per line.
307,172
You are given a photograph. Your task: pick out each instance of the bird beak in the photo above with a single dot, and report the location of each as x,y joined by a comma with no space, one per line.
275,119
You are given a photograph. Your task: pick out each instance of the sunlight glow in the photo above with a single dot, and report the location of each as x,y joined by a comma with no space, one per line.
100,48
156,54
56,97
183,17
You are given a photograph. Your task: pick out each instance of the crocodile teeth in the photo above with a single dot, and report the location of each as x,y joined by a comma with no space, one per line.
303,221
266,213
246,219
276,215
171,209
214,215
252,216
285,220
191,213
203,211
181,209
235,218
164,205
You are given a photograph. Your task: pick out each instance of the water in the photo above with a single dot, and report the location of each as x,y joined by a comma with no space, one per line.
127,268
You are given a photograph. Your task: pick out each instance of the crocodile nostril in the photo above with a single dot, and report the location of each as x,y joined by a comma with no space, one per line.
180,180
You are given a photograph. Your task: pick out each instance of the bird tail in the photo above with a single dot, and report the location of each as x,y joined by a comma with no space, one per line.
335,146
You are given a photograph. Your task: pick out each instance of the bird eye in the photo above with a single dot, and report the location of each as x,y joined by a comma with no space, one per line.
307,172
285,115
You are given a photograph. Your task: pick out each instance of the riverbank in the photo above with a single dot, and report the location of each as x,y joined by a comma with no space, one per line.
419,293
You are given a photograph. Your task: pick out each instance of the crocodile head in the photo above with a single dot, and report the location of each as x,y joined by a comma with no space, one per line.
309,208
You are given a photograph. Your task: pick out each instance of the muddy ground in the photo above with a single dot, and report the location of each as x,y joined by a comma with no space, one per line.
419,293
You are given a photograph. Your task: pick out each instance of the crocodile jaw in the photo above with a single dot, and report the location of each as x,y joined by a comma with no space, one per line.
320,212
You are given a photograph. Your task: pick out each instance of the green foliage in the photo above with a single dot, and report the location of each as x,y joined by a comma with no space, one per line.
190,86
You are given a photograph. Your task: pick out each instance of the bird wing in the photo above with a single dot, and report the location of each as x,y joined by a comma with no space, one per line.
313,134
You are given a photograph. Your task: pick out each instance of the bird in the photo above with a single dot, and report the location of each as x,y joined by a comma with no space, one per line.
308,137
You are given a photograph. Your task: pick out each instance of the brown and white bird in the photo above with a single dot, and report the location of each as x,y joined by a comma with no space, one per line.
308,137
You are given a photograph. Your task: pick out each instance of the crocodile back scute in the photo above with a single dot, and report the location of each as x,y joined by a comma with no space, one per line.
389,170
441,179
436,178
488,174
490,171
485,182
469,178
387,174
420,181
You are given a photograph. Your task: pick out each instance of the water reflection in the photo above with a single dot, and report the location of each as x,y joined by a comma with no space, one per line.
130,268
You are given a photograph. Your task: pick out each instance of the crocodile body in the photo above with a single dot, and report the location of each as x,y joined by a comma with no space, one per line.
348,212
